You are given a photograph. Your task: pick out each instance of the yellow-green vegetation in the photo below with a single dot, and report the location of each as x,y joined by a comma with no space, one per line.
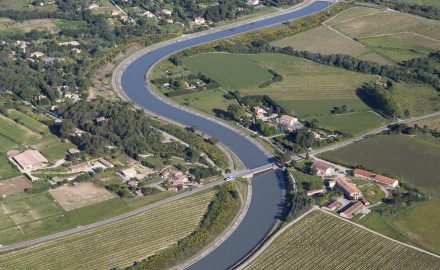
372,193
7,170
27,121
395,49
432,123
421,222
418,99
322,241
116,244
16,132
355,122
11,26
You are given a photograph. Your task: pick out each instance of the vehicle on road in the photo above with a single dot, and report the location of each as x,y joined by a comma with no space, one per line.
229,178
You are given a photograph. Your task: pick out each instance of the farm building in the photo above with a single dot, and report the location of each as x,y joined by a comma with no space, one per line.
106,163
350,190
30,159
331,205
323,169
128,173
132,183
352,210
376,177
260,113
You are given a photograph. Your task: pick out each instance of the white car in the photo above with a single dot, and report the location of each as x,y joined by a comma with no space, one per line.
229,178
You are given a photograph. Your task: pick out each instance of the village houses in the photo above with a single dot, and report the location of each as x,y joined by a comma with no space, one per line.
350,190
390,182
323,169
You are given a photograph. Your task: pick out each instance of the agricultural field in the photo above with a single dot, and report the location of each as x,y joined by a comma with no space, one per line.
431,123
86,193
396,49
404,157
117,244
356,122
230,70
370,34
15,132
6,169
418,99
433,3
13,185
8,25
323,241
27,121
210,102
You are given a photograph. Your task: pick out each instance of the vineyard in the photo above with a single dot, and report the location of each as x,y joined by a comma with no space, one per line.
116,244
389,154
322,40
432,123
352,13
322,241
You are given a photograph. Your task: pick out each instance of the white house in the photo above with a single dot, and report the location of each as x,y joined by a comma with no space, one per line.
199,20
323,169
287,120
253,2
166,12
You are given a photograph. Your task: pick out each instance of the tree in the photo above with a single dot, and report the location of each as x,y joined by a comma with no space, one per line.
66,128
236,111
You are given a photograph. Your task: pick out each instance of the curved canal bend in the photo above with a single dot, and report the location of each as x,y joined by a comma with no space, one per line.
267,189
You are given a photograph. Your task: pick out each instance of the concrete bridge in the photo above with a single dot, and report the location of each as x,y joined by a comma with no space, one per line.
251,172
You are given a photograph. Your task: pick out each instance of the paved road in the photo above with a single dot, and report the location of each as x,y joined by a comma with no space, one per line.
365,135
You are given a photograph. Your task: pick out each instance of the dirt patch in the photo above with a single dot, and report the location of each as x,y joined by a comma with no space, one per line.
86,193
102,79
14,185
27,26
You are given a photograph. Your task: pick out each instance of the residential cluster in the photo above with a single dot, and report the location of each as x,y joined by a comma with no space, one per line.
288,122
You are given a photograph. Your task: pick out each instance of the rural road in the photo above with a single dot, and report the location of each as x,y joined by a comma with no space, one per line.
364,136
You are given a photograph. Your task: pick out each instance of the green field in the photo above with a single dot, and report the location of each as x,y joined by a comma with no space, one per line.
407,158
319,107
16,132
65,24
355,123
307,182
434,3
6,170
432,123
230,70
395,49
28,121
418,99
117,244
322,241
210,102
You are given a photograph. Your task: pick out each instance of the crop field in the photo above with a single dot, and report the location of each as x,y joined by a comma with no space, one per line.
322,241
230,70
304,79
27,26
421,222
6,169
116,244
352,13
418,99
355,123
13,185
210,102
387,23
28,121
86,193
319,107
432,123
323,40
16,132
433,3
25,5
52,148
395,49
400,156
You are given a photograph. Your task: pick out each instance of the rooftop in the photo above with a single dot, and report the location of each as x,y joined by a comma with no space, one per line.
319,165
349,187
29,158
353,209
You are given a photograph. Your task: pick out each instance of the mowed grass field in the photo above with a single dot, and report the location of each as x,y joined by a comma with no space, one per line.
356,122
116,244
230,70
418,99
323,241
6,169
407,158
210,102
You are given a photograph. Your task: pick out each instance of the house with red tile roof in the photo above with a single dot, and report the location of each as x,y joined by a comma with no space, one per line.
323,168
376,177
350,190
352,210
